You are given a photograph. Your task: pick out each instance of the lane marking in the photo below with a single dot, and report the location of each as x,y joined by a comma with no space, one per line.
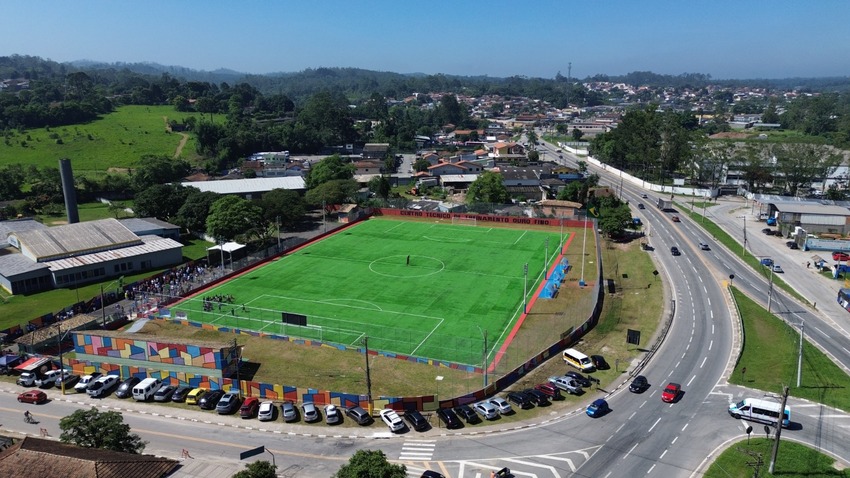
653,425
691,380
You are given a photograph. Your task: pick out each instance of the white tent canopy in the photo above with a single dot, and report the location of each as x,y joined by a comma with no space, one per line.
228,247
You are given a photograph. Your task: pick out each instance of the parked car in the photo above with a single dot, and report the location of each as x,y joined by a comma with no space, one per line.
33,396
125,390
566,384
249,407
777,268
840,256
48,379
487,410
549,389
579,378
164,393
67,380
671,392
792,245
84,382
767,231
359,415
181,393
675,251
102,386
502,405
26,379
520,399
597,408
332,414
289,412
467,413
310,412
416,420
210,399
392,420
599,362
195,395
448,417
639,384
228,403
537,397
265,412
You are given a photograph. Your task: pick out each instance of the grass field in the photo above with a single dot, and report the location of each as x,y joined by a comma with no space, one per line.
461,281
770,357
794,461
117,140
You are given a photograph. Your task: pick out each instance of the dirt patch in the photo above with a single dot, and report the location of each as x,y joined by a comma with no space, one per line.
730,135
118,170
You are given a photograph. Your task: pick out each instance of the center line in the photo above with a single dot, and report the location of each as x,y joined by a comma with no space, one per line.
653,425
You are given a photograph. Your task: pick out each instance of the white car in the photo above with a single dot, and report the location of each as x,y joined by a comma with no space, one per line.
502,405
332,414
84,382
486,409
777,268
102,386
26,379
48,379
566,384
266,411
391,418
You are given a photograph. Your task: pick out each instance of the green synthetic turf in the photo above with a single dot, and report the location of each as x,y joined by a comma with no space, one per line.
357,283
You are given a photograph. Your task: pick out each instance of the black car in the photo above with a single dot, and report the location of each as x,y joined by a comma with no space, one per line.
210,399
640,205
359,415
579,378
537,397
599,362
792,245
164,393
448,417
179,395
416,420
431,474
675,251
520,399
467,413
767,231
69,379
125,390
639,384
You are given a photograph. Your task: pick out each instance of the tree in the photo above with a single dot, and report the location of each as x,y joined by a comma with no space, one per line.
370,464
380,185
488,188
94,429
231,216
800,164
284,205
258,469
192,215
533,155
577,134
153,169
337,191
614,218
421,164
329,169
162,201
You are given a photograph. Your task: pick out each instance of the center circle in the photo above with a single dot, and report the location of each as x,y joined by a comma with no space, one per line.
401,266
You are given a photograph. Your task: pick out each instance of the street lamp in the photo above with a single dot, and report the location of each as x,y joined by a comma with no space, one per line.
525,290
484,334
546,260
62,362
368,375
744,250
438,379
583,245
770,287
120,282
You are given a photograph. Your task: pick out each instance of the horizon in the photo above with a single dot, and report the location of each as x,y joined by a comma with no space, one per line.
728,40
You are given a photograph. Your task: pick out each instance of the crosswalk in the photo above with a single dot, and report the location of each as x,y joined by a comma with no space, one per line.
417,450
555,465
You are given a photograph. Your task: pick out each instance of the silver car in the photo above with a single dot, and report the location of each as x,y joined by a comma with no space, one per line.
486,409
501,404
332,415
311,414
287,409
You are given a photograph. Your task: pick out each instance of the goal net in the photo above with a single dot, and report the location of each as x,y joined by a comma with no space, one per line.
464,221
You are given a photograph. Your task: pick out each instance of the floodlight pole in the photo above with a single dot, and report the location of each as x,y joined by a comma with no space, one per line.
583,245
278,234
368,375
221,250
525,290
484,334
62,362
546,260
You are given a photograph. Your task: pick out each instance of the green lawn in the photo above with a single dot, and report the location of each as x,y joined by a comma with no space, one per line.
770,357
116,140
357,283
794,461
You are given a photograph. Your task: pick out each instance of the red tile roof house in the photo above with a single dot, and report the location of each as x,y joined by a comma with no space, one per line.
39,458
446,168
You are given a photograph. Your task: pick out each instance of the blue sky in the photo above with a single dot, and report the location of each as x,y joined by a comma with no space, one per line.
726,39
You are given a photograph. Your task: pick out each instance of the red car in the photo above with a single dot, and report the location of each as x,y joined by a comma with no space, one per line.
671,392
840,256
249,407
33,396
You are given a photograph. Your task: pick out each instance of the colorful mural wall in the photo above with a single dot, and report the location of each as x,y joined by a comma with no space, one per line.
148,351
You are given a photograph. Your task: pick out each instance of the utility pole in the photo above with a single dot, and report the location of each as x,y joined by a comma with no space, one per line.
368,375
770,288
525,290
278,234
546,260
800,355
778,430
484,334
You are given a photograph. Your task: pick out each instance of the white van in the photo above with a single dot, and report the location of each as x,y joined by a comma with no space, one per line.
144,390
764,411
578,360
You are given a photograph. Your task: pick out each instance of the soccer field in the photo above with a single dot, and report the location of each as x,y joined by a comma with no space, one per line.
429,290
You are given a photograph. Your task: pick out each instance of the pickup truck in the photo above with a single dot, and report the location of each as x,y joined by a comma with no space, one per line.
566,384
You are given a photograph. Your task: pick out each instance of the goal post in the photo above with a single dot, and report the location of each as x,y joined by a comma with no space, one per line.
464,221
